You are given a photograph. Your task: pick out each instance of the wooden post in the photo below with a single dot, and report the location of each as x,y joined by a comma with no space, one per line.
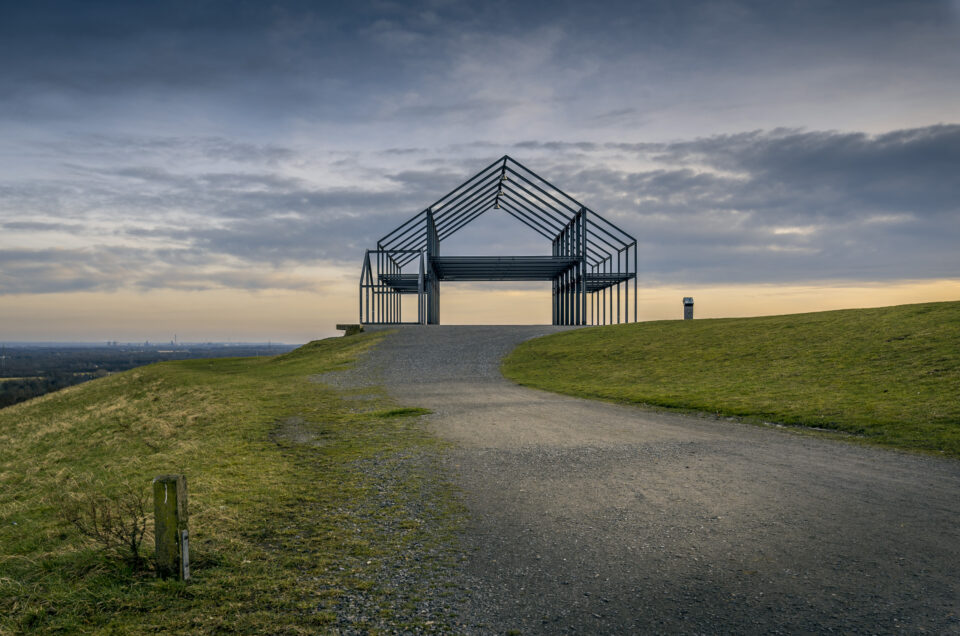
170,526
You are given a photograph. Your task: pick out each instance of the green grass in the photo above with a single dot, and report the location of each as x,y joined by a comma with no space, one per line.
889,376
298,498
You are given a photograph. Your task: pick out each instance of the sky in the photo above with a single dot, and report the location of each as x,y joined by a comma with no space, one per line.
215,169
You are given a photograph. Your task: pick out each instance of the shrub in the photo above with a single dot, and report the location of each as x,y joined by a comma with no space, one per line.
115,518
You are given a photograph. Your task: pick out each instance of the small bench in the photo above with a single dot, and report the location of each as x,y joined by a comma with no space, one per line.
350,329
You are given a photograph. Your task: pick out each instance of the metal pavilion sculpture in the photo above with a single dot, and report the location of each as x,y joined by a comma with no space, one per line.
591,264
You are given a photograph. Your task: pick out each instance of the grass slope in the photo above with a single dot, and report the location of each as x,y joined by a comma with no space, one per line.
890,375
300,500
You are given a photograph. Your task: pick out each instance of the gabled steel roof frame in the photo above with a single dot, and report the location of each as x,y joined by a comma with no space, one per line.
590,266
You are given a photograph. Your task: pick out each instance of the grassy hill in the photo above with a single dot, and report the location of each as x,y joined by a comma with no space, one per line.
304,503
889,375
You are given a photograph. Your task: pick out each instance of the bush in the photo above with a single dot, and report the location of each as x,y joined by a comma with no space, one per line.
115,518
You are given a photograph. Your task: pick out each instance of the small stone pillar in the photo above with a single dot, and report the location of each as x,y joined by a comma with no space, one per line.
688,308
170,526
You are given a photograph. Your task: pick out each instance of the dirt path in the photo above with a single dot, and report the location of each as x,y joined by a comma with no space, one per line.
597,518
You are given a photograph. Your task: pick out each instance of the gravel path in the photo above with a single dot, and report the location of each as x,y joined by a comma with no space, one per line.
596,518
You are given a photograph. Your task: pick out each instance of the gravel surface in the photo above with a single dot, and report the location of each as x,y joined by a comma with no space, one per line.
418,585
590,517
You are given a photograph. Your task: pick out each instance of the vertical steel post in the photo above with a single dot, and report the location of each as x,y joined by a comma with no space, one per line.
583,267
636,274
574,240
420,316
576,299
363,271
570,248
619,284
553,285
610,318
563,279
369,282
432,284
626,286
578,236
570,276
603,292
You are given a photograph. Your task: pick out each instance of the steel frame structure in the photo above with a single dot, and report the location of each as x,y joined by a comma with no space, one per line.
591,264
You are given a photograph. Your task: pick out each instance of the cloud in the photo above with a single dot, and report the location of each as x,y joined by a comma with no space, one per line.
104,268
35,226
759,206
59,270
513,67
881,206
211,148
899,168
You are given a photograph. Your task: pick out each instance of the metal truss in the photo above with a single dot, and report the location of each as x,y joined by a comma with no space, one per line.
591,264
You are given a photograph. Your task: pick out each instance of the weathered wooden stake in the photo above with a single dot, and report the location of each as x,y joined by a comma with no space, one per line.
170,526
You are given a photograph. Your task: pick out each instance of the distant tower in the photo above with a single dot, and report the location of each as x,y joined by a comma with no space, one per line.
688,308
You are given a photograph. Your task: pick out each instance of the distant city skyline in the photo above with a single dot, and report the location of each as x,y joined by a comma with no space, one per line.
216,170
